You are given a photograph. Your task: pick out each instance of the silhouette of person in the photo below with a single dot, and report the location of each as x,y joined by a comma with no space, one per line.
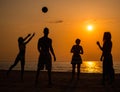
45,59
21,55
106,57
76,58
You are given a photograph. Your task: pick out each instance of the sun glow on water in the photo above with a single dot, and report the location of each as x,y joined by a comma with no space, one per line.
90,64
91,67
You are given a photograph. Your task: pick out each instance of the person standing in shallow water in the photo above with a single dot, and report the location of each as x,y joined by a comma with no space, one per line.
76,58
44,48
21,55
106,57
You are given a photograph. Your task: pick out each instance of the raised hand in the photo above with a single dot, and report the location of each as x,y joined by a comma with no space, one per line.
98,43
33,34
29,34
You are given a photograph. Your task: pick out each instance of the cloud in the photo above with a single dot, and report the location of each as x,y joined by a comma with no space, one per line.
57,21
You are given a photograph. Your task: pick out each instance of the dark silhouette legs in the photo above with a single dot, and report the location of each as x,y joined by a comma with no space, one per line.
73,71
109,76
37,75
78,71
103,78
49,77
22,69
12,66
15,63
112,75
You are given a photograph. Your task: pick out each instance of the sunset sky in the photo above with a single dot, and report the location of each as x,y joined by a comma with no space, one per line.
67,20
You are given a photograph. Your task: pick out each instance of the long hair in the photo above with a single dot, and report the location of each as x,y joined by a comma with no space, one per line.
107,36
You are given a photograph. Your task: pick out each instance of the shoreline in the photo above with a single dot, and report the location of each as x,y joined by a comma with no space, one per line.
86,67
89,82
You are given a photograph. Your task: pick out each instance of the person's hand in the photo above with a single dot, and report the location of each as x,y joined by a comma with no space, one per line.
29,34
54,58
33,34
100,58
98,43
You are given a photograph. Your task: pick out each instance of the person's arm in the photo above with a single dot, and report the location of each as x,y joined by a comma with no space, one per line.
81,51
26,37
72,50
101,58
29,38
98,43
52,51
38,46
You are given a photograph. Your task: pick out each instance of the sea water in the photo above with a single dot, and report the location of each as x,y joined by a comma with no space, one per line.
62,66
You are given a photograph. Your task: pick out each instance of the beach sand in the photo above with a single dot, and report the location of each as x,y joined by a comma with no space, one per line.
88,82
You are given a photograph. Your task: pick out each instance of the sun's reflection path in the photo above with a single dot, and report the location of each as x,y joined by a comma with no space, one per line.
91,67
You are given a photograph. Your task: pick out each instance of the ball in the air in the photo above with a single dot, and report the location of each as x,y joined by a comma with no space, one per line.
44,9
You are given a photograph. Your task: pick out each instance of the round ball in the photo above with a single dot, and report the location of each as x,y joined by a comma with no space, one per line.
44,9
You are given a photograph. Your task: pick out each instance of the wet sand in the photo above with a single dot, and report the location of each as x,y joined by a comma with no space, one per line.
88,82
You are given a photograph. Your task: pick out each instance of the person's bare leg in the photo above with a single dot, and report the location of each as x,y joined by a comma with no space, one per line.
78,71
49,77
73,71
12,66
37,75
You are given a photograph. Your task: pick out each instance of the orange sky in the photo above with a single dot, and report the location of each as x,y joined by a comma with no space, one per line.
66,19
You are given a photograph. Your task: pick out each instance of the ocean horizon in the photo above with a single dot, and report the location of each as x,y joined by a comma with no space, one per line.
62,66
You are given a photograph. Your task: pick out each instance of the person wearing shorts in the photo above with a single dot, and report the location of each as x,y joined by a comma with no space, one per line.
45,59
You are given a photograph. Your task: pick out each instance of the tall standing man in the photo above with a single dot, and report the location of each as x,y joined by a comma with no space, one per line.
45,59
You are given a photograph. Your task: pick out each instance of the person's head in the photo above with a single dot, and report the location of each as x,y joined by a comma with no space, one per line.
20,40
77,41
46,31
107,36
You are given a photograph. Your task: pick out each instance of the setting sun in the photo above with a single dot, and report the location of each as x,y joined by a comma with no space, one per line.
89,27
